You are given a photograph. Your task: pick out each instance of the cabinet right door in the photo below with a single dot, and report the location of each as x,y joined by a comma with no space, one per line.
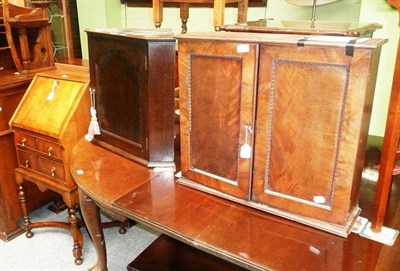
313,110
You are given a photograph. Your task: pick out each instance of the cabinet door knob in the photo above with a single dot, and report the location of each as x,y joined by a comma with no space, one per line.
53,171
23,141
49,151
27,163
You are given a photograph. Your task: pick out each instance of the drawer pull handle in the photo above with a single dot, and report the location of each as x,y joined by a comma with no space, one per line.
53,171
27,163
49,151
23,141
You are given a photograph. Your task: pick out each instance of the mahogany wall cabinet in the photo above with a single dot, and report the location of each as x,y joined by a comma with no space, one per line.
132,76
278,122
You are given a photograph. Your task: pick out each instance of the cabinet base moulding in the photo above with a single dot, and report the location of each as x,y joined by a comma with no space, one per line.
8,236
340,230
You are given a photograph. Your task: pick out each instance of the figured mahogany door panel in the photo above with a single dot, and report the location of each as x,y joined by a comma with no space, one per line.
216,96
309,127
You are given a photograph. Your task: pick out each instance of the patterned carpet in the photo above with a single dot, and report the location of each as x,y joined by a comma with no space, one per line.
51,248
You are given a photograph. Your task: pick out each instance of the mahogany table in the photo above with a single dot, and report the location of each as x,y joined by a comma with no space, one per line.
244,236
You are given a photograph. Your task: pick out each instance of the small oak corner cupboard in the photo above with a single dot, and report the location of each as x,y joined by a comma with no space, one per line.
278,122
132,77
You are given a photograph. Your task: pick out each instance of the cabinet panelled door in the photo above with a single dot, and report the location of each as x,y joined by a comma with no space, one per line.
217,110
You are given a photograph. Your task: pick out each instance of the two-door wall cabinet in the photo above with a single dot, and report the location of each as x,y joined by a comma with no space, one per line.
278,122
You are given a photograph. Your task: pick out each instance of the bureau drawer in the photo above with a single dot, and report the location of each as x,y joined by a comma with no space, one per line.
48,148
52,169
45,147
27,160
25,140
41,164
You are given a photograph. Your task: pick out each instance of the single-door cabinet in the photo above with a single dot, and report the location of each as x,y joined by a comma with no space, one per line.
132,79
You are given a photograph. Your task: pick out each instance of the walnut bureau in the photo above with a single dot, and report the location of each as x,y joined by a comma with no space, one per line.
12,88
278,122
52,116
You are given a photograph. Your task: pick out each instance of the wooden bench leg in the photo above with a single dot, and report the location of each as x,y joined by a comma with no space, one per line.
157,13
219,14
184,14
242,11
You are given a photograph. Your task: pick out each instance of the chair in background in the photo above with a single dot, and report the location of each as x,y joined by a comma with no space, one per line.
219,11
25,37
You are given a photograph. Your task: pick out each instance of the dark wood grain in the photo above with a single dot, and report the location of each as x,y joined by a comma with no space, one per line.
135,103
168,254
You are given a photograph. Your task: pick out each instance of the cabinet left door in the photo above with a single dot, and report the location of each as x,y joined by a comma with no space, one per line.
217,88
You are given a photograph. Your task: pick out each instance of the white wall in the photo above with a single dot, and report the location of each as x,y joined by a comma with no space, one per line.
97,14
381,12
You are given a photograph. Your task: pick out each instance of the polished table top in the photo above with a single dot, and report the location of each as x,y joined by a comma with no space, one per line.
245,236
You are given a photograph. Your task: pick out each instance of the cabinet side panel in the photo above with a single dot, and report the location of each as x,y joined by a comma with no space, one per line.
161,68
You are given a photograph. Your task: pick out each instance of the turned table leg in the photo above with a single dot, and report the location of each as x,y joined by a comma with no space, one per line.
91,215
27,221
76,235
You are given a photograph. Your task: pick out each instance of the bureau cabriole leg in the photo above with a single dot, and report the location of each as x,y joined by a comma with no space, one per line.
91,215
76,235
27,221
